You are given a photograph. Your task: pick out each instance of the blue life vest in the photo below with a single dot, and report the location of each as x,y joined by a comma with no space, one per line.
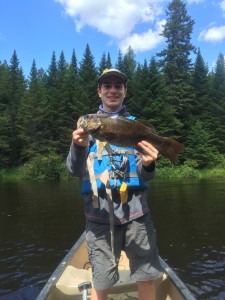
121,168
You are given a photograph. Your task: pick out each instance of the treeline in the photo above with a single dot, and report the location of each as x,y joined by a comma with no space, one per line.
176,94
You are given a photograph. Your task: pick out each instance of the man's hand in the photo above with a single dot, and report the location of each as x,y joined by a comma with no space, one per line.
149,153
80,137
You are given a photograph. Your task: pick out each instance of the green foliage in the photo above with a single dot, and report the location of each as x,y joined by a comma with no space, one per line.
200,146
184,171
49,167
180,99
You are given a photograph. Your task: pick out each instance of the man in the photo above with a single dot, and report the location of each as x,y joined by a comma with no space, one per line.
133,230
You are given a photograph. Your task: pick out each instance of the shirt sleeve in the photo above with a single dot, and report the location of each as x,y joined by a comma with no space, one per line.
76,160
145,173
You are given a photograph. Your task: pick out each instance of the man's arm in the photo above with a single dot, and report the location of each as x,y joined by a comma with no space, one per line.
76,159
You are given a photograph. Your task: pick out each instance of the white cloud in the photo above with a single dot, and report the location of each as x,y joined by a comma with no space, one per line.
222,5
213,34
118,19
145,41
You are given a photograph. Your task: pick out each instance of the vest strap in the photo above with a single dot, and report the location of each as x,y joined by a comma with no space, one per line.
111,175
93,181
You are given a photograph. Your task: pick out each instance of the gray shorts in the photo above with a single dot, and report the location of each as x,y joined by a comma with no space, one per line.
137,238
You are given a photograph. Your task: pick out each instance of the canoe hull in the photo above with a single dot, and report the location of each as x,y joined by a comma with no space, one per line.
75,269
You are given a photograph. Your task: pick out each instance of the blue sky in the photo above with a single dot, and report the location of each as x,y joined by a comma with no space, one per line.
36,28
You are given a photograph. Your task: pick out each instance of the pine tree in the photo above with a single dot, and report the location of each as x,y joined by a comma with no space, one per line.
50,131
119,63
105,63
75,106
218,97
200,145
16,93
88,77
177,32
158,111
5,119
138,93
129,67
31,114
176,63
202,106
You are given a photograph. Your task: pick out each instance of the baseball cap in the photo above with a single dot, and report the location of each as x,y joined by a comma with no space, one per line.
112,72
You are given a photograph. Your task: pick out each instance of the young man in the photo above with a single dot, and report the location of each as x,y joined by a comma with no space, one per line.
133,227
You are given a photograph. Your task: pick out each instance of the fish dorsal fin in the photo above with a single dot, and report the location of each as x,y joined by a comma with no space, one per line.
146,124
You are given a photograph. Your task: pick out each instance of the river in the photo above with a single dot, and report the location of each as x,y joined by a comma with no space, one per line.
39,222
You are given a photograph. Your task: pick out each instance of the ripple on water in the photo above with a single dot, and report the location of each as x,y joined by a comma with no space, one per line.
208,274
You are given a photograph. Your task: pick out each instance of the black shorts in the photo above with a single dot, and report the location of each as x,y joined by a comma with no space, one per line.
137,238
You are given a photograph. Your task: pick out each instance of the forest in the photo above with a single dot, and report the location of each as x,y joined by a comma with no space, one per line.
174,90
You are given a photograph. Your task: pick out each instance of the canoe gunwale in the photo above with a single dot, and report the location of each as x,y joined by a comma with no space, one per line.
185,292
178,283
59,270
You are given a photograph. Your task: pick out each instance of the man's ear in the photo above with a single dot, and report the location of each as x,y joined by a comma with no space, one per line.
99,92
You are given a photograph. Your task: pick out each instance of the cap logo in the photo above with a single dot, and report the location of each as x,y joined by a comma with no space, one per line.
105,71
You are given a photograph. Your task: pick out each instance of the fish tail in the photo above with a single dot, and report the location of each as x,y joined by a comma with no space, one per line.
171,149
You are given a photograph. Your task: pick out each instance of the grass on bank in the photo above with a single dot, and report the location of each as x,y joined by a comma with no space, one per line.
52,167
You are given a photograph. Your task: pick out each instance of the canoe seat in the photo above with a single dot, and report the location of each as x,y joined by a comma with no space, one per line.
71,278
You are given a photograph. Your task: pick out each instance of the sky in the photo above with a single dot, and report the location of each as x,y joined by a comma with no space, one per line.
36,28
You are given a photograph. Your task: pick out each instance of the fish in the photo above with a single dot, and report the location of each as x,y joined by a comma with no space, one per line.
123,132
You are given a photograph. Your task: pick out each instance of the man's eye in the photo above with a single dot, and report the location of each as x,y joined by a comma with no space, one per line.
117,86
107,86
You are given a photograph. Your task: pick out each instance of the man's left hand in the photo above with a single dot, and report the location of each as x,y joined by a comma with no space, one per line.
148,154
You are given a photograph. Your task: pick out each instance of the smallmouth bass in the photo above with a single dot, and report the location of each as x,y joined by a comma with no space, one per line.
122,132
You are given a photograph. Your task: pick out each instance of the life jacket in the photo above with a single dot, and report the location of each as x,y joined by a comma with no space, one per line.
120,164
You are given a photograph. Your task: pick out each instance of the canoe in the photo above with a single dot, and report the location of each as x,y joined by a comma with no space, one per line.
74,274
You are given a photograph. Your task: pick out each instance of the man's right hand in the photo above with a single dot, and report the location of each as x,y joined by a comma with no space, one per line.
80,137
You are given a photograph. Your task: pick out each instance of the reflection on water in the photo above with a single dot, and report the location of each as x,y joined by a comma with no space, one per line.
39,223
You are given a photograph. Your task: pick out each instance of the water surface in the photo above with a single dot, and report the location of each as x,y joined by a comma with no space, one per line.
39,222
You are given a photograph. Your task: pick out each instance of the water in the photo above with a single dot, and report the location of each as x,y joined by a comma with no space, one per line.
39,222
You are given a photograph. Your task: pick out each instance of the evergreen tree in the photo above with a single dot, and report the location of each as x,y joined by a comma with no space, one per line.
129,63
5,118
200,146
138,96
218,97
119,63
129,67
31,113
62,119
158,111
203,106
177,32
175,62
75,106
108,61
105,63
88,77
50,131
17,91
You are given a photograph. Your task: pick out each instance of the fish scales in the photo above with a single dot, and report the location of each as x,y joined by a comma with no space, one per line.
120,131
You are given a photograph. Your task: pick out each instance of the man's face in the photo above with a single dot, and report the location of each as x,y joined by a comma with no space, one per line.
112,92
